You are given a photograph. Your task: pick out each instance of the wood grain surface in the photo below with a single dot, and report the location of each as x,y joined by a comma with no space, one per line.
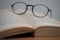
39,38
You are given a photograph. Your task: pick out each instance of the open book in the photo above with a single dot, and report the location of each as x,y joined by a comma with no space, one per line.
26,25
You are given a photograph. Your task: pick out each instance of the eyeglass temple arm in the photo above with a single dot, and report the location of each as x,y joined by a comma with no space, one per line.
51,13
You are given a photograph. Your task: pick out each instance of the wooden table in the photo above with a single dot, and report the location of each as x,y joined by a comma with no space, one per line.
40,38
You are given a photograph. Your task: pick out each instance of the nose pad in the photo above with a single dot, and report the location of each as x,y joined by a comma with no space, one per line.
29,10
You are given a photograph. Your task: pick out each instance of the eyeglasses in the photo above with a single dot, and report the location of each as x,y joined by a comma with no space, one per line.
38,10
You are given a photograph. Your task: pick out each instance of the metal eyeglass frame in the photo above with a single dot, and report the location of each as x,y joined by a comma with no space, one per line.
32,9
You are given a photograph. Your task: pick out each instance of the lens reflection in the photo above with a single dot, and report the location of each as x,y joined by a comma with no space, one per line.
40,10
19,8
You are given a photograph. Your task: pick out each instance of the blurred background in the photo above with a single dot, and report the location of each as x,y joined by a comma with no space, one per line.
54,5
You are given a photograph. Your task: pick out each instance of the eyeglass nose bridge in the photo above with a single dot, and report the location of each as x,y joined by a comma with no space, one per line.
30,5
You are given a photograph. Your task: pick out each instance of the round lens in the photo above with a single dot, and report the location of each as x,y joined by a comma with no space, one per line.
19,8
40,10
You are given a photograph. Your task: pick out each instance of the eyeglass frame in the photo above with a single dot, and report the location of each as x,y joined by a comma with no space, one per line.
32,9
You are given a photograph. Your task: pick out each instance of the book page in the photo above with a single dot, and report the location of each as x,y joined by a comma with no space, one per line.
37,22
9,20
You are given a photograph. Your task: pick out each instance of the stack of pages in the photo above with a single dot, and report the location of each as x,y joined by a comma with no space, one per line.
12,24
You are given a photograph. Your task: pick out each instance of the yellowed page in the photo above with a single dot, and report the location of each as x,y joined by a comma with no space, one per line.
8,20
